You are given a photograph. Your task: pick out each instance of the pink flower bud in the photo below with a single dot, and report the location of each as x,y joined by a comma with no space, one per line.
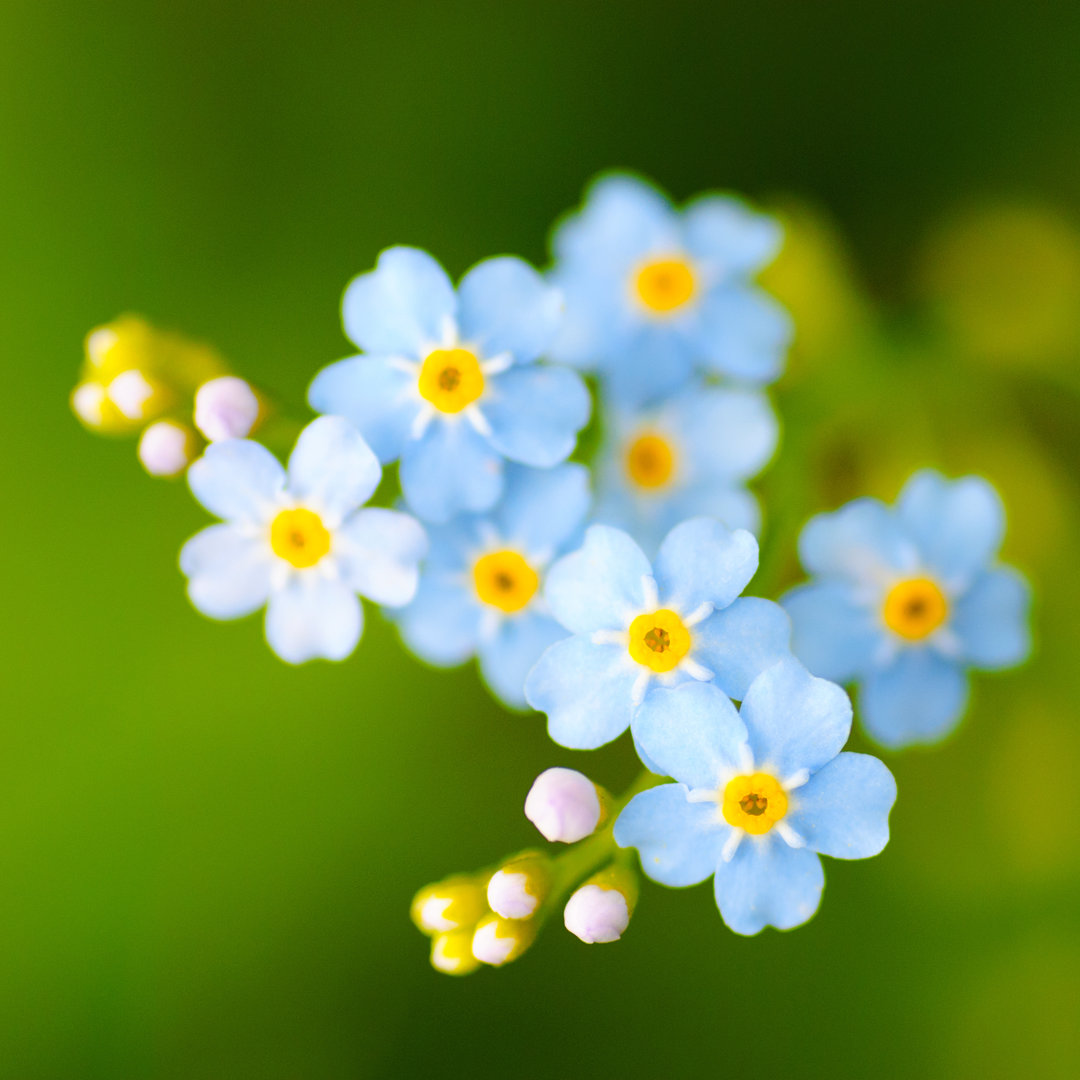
564,805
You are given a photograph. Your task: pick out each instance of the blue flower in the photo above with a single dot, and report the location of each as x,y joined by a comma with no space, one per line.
297,542
448,383
653,293
761,793
635,625
688,458
480,591
906,599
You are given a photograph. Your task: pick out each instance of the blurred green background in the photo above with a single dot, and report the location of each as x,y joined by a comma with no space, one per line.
206,857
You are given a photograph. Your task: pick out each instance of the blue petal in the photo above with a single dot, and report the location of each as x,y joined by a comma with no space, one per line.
679,841
743,333
379,552
450,469
692,733
229,571
597,321
704,562
542,509
401,307
768,884
442,624
313,618
599,587
958,525
535,413
833,634
740,642
796,721
506,306
733,507
586,691
238,480
919,698
378,397
862,540
332,468
508,657
991,619
725,231
843,810
650,365
725,433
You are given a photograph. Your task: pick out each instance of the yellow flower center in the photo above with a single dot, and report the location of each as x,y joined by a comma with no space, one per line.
659,640
299,537
505,580
451,379
650,462
665,285
754,802
916,608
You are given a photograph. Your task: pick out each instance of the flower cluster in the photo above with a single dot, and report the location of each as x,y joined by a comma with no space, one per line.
607,588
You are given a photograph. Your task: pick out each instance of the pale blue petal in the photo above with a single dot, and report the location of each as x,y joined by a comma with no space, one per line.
702,561
535,413
733,507
238,480
833,634
508,657
506,306
991,619
229,571
727,233
679,841
332,468
378,397
312,618
450,470
919,698
543,508
597,321
725,433
585,689
399,308
743,333
860,540
957,524
442,624
796,721
692,733
738,643
843,810
653,363
768,884
598,587
379,552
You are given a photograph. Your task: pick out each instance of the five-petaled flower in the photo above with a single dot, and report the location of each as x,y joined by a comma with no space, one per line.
906,599
760,793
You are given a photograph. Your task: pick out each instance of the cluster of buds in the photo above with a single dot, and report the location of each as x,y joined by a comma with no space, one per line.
175,393
493,916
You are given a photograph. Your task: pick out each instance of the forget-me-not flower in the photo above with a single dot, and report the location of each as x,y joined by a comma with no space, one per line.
905,599
637,625
298,542
760,794
654,293
481,588
688,458
448,382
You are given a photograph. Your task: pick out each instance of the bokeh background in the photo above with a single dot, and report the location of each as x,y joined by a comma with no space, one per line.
206,857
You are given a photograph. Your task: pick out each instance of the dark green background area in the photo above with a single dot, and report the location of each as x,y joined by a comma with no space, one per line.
206,857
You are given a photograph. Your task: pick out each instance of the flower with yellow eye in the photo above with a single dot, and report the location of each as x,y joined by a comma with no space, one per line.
448,382
654,294
905,599
691,457
637,625
299,542
760,794
480,591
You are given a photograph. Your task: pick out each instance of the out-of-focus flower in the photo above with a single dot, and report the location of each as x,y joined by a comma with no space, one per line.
452,953
448,383
760,794
688,458
636,624
905,599
457,903
166,448
497,941
226,408
600,910
654,293
299,542
565,805
481,588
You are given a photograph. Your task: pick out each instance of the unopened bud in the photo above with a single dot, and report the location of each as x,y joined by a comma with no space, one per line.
520,886
452,953
166,448
226,408
454,904
565,805
600,910
497,941
136,396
